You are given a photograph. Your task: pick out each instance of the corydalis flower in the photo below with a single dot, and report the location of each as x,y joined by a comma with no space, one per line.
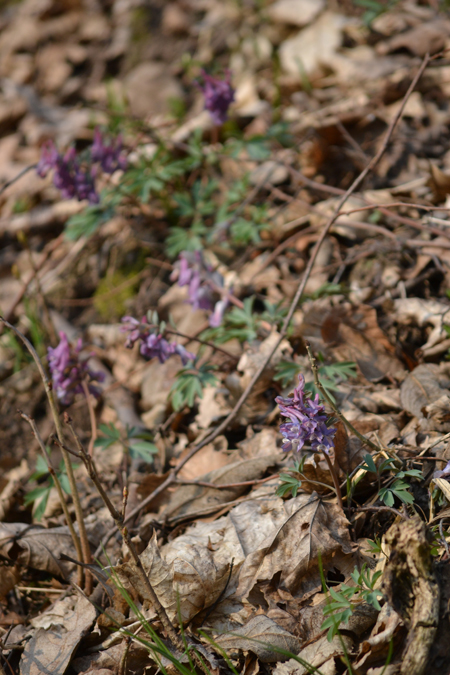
69,370
109,156
219,95
69,176
153,344
203,283
307,421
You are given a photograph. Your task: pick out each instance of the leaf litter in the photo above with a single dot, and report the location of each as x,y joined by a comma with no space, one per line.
253,560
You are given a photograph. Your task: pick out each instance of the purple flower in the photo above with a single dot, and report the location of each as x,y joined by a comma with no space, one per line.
69,177
444,473
307,421
48,159
153,344
108,156
203,283
69,370
219,94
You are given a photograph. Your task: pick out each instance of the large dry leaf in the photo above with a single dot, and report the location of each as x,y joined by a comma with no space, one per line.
424,393
190,579
37,547
264,536
194,498
312,527
263,637
59,631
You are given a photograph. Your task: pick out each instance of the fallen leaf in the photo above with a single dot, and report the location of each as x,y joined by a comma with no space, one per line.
37,547
263,637
59,631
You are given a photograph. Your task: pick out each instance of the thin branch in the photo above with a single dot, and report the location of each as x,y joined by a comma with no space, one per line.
16,178
226,486
389,509
298,296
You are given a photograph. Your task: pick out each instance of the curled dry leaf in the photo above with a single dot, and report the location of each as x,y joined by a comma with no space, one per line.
263,637
59,631
37,547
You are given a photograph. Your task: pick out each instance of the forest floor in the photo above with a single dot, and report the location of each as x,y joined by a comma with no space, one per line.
150,519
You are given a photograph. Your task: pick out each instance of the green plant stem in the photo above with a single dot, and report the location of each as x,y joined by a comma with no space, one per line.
53,474
81,543
332,404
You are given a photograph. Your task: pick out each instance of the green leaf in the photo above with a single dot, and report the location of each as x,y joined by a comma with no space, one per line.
369,464
64,480
286,372
143,449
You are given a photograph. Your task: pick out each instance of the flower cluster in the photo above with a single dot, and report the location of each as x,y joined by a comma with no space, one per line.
75,180
203,284
307,421
69,176
69,371
153,344
219,95
109,156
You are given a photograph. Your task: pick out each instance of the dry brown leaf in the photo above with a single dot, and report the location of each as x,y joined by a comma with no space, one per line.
37,547
317,655
424,393
422,312
59,631
353,334
312,526
263,637
188,580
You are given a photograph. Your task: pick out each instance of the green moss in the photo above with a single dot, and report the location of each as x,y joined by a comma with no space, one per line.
112,294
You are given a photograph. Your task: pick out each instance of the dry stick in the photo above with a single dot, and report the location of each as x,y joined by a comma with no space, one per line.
52,472
81,543
119,520
298,295
16,178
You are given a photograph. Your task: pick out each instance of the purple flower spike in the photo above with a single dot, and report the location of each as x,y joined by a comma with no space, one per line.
219,95
203,284
69,371
307,422
48,159
108,156
153,344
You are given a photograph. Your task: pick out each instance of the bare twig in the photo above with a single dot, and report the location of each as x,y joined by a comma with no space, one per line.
298,296
389,509
16,178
